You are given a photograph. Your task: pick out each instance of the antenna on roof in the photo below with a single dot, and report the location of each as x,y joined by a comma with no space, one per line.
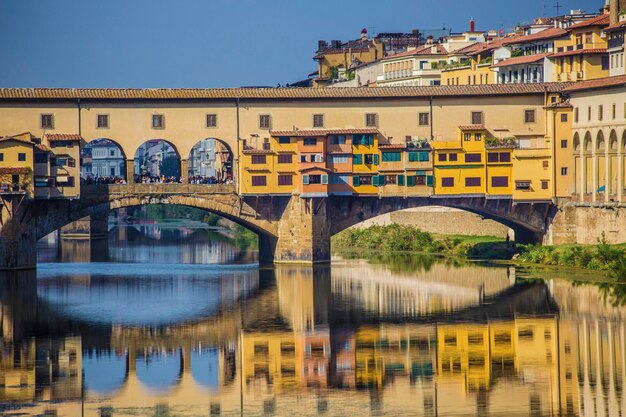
558,6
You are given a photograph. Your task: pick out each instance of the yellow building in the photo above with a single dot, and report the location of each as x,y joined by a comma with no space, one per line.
583,55
336,59
559,119
476,164
471,65
16,166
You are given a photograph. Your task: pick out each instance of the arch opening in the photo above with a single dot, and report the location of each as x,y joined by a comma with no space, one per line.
587,143
157,161
210,162
613,141
600,143
103,162
576,142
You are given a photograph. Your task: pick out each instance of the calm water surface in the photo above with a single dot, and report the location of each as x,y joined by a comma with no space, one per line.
177,320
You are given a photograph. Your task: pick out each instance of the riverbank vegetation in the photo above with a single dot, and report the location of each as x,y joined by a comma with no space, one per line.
602,256
399,238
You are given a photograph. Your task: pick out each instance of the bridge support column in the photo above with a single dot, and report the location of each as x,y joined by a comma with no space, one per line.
303,233
18,244
184,171
130,171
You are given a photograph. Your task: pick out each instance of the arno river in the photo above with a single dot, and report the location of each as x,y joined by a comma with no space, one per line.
179,321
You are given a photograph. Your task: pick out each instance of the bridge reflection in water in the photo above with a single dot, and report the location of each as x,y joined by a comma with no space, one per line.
356,339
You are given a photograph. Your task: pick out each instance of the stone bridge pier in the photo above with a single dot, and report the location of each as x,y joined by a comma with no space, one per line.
291,229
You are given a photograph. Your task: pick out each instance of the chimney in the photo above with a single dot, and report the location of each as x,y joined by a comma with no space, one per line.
472,25
363,35
614,11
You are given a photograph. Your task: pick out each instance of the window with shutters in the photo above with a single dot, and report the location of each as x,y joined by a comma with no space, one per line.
338,140
285,180
472,182
492,157
442,157
47,121
259,159
478,137
564,171
447,182
211,120
505,156
424,119
453,157
357,159
473,157
158,121
102,121
318,120
391,156
499,182
467,137
309,141
265,121
285,158
259,180
371,120
284,140
477,118
368,159
529,116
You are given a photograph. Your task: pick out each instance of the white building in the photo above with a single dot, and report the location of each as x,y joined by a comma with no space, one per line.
202,159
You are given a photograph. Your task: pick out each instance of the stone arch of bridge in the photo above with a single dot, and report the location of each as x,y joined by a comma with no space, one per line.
224,158
529,221
151,153
59,214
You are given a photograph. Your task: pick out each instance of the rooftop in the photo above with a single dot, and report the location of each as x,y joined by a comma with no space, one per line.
608,82
579,52
550,33
53,137
323,132
601,20
527,59
422,50
274,93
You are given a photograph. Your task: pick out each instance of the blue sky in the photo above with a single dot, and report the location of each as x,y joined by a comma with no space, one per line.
213,43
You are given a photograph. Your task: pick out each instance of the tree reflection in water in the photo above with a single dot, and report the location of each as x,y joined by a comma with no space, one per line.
614,290
404,262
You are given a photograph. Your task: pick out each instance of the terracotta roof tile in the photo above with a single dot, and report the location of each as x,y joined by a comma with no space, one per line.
14,170
601,20
550,33
275,93
422,50
52,137
607,82
579,52
42,147
322,132
8,138
472,127
618,25
528,59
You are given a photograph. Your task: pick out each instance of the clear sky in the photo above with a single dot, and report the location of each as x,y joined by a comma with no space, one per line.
214,43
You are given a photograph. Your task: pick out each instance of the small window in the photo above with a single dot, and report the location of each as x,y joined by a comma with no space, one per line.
564,171
158,121
259,180
284,140
545,164
285,158
259,159
477,118
103,121
309,141
614,111
357,159
211,120
453,157
47,121
473,157
544,185
21,157
447,182
589,113
600,112
424,119
576,113
318,120
564,118
371,120
467,137
529,116
492,157
265,121
285,180
338,140
442,157
472,182
499,182
563,143
505,156
478,137
1,156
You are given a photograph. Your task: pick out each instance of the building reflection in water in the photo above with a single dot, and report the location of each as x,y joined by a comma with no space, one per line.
357,339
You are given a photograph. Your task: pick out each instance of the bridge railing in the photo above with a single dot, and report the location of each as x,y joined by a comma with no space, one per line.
94,190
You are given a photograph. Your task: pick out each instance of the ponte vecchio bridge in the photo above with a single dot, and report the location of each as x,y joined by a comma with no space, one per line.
294,226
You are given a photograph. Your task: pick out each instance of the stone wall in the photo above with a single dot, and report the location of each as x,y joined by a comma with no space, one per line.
585,223
442,220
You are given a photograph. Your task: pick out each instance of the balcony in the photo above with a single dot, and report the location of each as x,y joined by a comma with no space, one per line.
501,143
616,43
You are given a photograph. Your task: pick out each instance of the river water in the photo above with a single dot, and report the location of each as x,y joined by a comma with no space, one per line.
177,320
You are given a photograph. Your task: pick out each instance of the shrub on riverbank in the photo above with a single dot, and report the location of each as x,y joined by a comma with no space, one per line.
603,256
399,238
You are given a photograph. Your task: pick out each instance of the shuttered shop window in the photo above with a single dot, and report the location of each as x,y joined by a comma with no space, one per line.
472,182
259,180
499,182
